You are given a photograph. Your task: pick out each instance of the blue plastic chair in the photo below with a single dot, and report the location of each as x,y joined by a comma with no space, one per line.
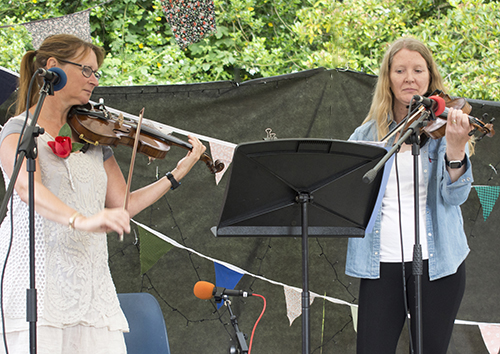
148,333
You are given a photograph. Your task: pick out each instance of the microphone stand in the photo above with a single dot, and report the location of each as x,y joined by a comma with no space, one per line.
28,150
240,336
412,135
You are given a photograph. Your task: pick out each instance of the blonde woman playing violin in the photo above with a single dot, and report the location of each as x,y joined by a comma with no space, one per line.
383,258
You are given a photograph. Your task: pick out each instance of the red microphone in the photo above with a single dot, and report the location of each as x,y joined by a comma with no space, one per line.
436,103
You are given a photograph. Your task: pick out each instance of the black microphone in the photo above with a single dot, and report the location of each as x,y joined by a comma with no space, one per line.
205,291
54,75
436,103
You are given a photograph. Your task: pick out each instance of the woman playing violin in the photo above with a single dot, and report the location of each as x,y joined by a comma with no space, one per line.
383,258
78,199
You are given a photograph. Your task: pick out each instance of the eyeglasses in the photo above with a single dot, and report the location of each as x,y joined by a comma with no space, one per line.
86,70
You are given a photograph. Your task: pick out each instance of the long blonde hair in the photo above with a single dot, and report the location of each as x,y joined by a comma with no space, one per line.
61,47
382,103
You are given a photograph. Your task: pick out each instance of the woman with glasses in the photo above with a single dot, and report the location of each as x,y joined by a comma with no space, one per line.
78,198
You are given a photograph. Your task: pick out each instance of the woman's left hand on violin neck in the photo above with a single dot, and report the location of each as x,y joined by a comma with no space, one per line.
457,134
193,156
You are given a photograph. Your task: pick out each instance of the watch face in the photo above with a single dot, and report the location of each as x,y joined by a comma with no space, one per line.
455,164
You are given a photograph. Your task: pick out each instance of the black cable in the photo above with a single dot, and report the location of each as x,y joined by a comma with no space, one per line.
405,290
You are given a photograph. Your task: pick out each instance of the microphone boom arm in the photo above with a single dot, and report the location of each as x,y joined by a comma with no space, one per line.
371,174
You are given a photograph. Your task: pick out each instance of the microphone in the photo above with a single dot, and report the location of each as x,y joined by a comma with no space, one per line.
436,103
205,291
54,75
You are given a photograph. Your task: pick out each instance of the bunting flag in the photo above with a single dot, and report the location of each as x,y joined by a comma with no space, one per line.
293,298
151,249
77,24
226,278
354,314
488,196
491,337
190,20
223,153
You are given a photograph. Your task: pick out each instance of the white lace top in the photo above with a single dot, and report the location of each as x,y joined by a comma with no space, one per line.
73,281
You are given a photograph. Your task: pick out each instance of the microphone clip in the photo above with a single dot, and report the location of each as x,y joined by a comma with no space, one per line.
219,295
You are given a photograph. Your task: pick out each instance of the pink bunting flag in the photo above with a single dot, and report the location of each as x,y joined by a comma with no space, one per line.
491,337
223,153
293,299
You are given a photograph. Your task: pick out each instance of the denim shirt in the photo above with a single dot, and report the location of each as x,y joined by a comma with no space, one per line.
446,238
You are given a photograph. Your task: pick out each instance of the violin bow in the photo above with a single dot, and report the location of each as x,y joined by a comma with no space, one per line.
132,162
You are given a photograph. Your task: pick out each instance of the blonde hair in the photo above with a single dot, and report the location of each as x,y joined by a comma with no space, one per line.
61,47
382,103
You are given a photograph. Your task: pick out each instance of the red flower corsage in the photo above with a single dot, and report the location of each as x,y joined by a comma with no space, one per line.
62,145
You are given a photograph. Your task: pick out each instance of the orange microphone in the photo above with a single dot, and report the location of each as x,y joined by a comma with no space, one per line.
205,291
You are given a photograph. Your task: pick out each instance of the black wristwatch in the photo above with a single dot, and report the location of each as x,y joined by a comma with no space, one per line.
455,163
173,181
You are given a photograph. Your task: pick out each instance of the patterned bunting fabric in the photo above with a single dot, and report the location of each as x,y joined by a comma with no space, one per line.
190,20
77,24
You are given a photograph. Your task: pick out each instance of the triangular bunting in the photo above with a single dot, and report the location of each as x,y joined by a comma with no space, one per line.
152,248
190,20
354,314
488,196
225,278
491,337
293,298
77,24
223,153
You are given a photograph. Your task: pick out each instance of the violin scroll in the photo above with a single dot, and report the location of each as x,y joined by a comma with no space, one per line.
214,167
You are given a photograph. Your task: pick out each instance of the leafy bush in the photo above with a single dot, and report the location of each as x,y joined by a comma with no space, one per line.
261,38
463,36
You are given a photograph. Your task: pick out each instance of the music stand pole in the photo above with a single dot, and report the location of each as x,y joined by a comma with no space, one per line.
303,199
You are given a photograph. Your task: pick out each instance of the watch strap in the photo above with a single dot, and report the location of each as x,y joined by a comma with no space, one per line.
172,180
455,163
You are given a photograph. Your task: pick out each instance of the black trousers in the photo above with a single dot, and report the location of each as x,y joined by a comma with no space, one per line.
381,313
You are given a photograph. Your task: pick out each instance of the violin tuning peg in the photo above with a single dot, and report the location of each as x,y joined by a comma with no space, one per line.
120,119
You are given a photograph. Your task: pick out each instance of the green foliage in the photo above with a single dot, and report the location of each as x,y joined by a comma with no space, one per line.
13,44
261,38
466,47
463,36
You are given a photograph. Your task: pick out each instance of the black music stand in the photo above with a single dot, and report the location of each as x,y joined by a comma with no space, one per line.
272,183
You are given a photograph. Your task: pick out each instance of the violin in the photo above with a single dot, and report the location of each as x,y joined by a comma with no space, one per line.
436,129
436,126
97,126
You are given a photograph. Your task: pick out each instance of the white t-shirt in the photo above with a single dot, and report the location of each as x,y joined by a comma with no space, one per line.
393,211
